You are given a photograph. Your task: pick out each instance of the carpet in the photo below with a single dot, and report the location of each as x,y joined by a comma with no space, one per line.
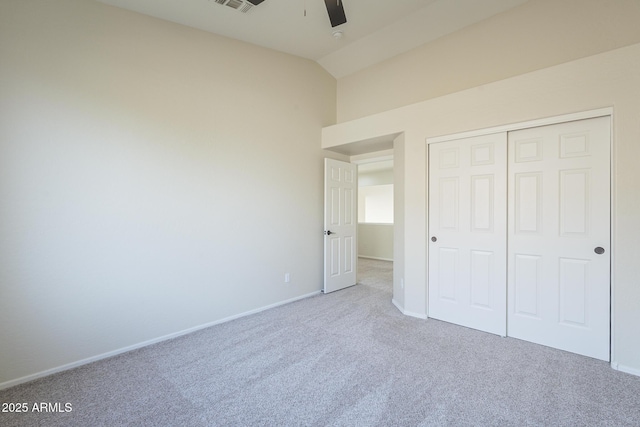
348,358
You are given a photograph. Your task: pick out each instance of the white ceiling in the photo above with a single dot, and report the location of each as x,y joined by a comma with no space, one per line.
375,30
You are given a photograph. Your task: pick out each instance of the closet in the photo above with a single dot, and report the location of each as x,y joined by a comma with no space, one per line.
519,234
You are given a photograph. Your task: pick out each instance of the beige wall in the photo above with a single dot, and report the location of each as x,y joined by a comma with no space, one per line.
153,178
375,241
538,34
609,80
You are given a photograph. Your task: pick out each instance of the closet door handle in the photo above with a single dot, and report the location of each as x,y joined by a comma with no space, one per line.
599,250
434,239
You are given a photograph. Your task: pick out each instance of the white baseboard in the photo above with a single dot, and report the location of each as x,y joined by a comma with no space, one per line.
108,354
408,313
418,315
626,369
374,257
398,306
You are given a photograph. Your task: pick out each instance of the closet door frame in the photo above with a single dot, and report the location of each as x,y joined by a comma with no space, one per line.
590,114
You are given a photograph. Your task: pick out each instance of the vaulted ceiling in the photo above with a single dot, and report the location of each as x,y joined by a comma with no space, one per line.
375,29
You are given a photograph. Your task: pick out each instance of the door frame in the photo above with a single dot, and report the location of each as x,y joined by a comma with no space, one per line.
552,120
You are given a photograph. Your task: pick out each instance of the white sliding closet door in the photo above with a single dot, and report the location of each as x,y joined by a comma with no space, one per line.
467,232
559,236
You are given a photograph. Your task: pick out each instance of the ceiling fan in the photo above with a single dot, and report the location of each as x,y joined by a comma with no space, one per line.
336,12
334,8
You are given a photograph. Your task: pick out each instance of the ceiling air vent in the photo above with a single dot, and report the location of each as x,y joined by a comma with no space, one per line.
241,5
246,7
234,3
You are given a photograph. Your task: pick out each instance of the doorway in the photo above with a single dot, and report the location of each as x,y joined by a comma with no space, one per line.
375,210
376,222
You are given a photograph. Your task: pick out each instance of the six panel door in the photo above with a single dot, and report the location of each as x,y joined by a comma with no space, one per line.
559,236
467,233
340,225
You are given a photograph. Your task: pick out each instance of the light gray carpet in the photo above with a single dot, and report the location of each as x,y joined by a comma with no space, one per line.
343,359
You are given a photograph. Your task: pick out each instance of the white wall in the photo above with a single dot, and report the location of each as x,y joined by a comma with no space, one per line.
153,178
375,204
536,35
399,229
609,79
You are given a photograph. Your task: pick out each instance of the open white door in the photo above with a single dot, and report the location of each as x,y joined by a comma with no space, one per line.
467,233
340,248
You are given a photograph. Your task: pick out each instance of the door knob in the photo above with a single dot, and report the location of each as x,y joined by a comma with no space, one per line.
434,239
599,250
329,232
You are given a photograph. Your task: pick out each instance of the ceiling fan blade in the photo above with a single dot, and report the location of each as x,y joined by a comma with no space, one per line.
336,12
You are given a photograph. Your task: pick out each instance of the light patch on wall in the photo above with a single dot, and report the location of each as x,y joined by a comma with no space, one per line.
375,204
